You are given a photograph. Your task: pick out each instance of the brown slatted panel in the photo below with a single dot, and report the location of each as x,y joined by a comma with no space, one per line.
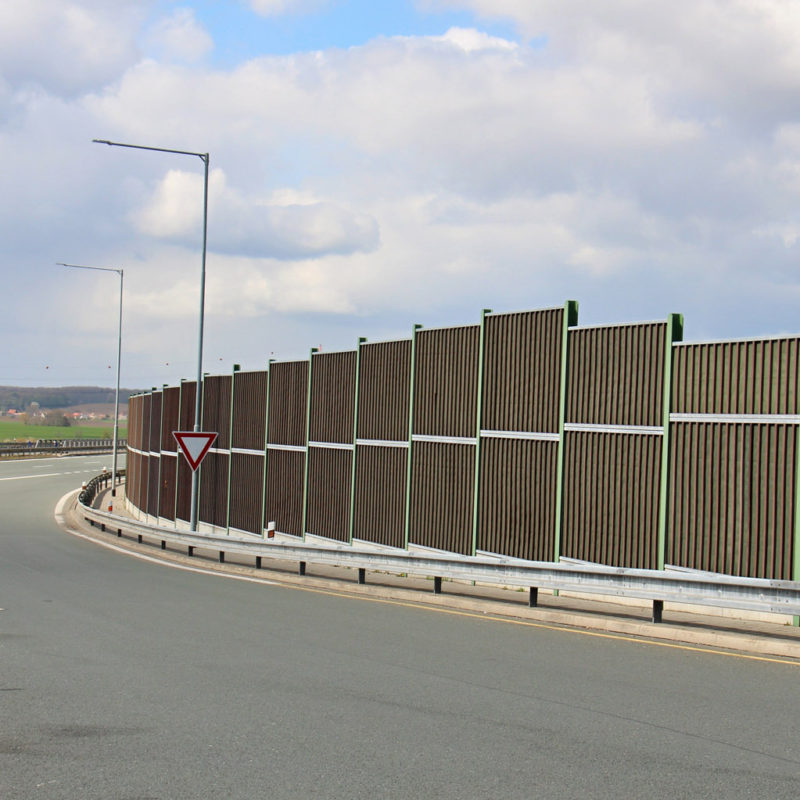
380,500
732,503
288,393
213,491
333,378
155,422
132,477
217,408
384,386
446,379
171,418
247,487
522,371
153,486
611,491
250,409
442,496
186,423
134,422
133,470
333,393
188,392
283,502
616,375
183,507
517,513
166,501
147,401
144,482
748,377
329,475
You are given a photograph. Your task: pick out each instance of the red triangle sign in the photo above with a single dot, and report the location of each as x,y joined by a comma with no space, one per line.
194,445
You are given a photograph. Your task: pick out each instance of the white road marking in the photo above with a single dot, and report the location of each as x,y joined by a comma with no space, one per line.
166,563
59,515
49,474
43,475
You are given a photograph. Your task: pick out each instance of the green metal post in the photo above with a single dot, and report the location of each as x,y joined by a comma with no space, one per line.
236,368
308,434
570,318
150,458
361,340
674,334
411,385
160,453
478,425
178,450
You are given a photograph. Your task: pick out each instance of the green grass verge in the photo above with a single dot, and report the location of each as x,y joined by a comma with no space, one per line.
16,431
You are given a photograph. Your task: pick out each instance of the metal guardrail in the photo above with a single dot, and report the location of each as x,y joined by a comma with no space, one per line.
90,489
41,446
672,585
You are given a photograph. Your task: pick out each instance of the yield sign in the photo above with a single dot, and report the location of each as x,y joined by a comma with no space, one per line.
195,445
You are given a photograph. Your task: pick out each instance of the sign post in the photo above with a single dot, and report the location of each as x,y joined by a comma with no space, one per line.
194,445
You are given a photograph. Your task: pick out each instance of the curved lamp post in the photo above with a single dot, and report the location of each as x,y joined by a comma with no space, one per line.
119,358
205,159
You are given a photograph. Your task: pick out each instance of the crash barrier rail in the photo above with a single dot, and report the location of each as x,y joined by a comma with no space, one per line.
90,489
60,446
674,585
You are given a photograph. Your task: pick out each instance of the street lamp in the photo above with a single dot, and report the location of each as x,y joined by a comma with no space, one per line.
205,159
119,358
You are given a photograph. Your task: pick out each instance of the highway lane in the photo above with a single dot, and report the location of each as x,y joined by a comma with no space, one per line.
127,679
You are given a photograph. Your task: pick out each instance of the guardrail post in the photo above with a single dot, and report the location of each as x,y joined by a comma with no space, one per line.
221,556
658,611
437,584
302,568
533,597
190,550
258,562
362,575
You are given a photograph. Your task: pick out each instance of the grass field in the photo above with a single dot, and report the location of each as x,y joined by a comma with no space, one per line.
11,431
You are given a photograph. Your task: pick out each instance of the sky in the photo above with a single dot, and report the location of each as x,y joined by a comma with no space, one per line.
376,165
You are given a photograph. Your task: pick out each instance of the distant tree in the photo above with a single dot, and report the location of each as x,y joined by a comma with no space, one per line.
56,419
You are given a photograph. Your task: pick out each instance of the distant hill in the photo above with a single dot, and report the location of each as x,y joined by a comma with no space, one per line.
21,397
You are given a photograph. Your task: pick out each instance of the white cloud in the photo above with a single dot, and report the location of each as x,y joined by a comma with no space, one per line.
68,46
471,41
281,228
274,8
639,158
179,37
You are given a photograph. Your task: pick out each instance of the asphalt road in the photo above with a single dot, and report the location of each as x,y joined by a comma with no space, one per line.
122,678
